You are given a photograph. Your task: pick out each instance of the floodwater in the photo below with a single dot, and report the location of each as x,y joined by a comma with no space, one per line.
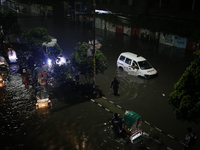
76,123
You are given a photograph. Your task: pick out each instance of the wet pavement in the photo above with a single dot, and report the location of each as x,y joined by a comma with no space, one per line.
75,122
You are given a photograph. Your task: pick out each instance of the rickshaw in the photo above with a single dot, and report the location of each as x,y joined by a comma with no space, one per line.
42,98
131,127
41,75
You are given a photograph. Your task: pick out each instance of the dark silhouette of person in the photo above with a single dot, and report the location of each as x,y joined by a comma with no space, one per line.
135,36
117,123
190,140
115,85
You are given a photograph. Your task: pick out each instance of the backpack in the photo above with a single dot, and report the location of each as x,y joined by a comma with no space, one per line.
192,140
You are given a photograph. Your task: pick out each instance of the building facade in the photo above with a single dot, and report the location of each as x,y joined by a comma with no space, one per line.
185,9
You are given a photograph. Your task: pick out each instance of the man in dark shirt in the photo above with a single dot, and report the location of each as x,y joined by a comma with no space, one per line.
115,85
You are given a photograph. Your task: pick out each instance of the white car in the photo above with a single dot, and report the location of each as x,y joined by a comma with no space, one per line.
135,65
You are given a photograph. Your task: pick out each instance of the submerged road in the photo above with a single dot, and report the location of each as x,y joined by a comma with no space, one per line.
146,97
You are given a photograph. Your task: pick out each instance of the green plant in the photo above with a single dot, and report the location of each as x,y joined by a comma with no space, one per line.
186,95
35,37
85,64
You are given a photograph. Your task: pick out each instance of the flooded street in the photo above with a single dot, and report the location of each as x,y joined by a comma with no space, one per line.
75,122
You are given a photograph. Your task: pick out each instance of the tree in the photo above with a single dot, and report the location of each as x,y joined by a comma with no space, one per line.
61,73
186,95
9,21
55,52
35,37
84,64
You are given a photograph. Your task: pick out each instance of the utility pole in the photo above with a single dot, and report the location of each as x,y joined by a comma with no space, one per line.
94,50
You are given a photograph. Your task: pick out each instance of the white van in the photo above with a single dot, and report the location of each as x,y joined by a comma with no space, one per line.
135,65
47,47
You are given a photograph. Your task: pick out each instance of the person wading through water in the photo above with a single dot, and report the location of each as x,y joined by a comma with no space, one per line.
115,86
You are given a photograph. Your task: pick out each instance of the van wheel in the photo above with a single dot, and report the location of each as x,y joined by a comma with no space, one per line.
121,69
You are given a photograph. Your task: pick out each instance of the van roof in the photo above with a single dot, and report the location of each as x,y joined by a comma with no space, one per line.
132,55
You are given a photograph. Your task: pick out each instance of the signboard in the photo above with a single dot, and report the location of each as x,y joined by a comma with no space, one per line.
180,42
167,39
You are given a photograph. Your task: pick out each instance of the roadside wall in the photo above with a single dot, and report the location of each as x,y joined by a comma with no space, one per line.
144,34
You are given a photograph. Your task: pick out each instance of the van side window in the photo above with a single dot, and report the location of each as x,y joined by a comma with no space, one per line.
122,58
128,61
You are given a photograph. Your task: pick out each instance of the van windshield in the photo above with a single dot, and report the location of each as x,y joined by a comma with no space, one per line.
144,65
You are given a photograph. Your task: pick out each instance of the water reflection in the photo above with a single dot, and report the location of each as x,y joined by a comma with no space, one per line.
172,53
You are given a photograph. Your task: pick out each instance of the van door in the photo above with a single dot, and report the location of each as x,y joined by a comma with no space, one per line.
133,69
127,64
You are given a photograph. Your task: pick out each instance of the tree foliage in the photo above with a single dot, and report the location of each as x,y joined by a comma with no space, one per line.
9,21
61,73
35,37
54,52
84,64
186,95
